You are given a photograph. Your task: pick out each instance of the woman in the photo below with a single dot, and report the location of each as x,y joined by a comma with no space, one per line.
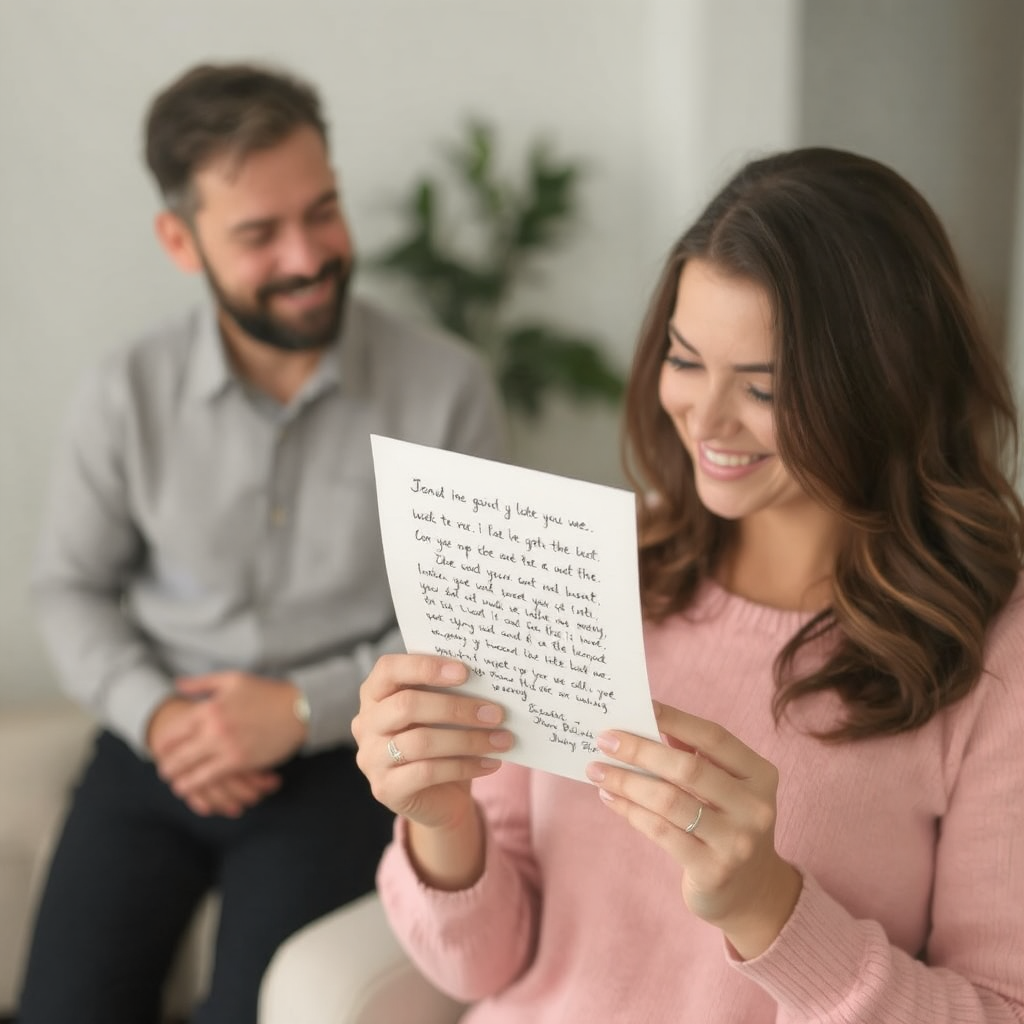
833,829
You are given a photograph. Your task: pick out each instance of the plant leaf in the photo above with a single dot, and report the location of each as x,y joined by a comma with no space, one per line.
514,222
539,359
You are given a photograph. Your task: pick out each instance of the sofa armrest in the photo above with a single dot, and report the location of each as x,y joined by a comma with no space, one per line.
348,968
42,748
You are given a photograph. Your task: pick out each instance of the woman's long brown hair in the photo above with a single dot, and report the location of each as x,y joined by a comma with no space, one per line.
890,408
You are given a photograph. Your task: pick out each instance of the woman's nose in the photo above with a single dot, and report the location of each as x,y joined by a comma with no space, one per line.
711,414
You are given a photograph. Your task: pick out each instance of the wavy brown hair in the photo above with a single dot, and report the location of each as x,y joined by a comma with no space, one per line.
891,408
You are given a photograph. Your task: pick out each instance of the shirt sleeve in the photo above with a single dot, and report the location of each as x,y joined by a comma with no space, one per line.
477,425
472,943
827,967
88,546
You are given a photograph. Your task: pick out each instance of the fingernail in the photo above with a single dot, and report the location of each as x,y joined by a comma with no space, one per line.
607,742
606,796
595,772
501,740
489,763
489,713
453,672
658,708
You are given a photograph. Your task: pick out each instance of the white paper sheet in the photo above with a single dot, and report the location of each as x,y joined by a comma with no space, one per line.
531,580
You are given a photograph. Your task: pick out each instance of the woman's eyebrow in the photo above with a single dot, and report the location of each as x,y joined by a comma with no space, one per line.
738,367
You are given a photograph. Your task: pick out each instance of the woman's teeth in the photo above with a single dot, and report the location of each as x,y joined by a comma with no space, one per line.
723,459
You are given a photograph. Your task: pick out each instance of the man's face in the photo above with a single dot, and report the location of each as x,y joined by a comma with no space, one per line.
274,242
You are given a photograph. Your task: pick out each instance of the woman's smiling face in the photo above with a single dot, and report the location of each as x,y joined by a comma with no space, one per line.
716,386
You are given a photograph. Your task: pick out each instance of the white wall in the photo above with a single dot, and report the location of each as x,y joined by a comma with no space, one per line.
661,96
934,88
949,77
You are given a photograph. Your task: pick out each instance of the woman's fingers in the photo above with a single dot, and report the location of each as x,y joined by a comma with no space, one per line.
715,743
409,707
709,801
422,743
407,785
394,701
394,697
669,770
441,749
736,815
654,806
395,671
708,785
706,760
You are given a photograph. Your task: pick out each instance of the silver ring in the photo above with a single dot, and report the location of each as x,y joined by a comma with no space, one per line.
696,819
397,756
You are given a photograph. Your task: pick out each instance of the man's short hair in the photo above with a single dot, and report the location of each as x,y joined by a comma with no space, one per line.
214,111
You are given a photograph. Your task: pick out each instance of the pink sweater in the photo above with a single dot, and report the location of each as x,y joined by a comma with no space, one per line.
911,848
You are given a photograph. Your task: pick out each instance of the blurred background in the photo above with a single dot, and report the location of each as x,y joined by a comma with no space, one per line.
656,101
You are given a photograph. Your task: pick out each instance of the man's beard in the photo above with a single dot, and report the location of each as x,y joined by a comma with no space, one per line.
259,323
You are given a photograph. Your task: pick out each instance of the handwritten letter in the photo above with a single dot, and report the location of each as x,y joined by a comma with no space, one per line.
529,579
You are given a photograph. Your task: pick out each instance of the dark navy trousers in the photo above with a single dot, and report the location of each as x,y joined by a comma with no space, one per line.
133,863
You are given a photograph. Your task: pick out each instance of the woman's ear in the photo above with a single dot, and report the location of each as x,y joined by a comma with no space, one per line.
177,240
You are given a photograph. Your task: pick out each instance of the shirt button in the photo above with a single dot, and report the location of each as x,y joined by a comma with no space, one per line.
278,515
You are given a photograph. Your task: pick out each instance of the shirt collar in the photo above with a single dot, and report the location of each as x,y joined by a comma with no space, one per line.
211,374
349,357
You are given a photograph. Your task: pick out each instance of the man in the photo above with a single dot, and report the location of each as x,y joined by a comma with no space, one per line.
211,581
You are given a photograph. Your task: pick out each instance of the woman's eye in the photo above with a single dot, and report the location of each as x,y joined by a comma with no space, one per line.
764,397
681,364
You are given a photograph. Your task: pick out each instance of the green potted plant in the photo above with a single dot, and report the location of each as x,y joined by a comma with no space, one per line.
465,266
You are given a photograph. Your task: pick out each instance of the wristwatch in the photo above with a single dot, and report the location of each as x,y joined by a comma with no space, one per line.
301,708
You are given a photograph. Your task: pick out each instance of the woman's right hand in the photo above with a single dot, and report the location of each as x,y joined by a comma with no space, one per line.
424,774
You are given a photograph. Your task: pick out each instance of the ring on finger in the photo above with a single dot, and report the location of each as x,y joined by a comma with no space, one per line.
394,753
692,827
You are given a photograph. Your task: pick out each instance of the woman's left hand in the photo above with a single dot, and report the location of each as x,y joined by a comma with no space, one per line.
709,802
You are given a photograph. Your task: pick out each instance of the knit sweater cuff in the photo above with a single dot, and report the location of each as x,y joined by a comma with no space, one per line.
472,942
397,875
820,961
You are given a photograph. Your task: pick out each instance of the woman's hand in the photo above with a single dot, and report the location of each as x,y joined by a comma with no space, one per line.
709,802
417,764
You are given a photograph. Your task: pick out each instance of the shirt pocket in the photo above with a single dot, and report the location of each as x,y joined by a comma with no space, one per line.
337,544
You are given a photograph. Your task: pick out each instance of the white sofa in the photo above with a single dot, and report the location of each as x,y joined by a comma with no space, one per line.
42,749
343,969
347,968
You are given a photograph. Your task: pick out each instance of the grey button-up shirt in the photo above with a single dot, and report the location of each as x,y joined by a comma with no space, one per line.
196,526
